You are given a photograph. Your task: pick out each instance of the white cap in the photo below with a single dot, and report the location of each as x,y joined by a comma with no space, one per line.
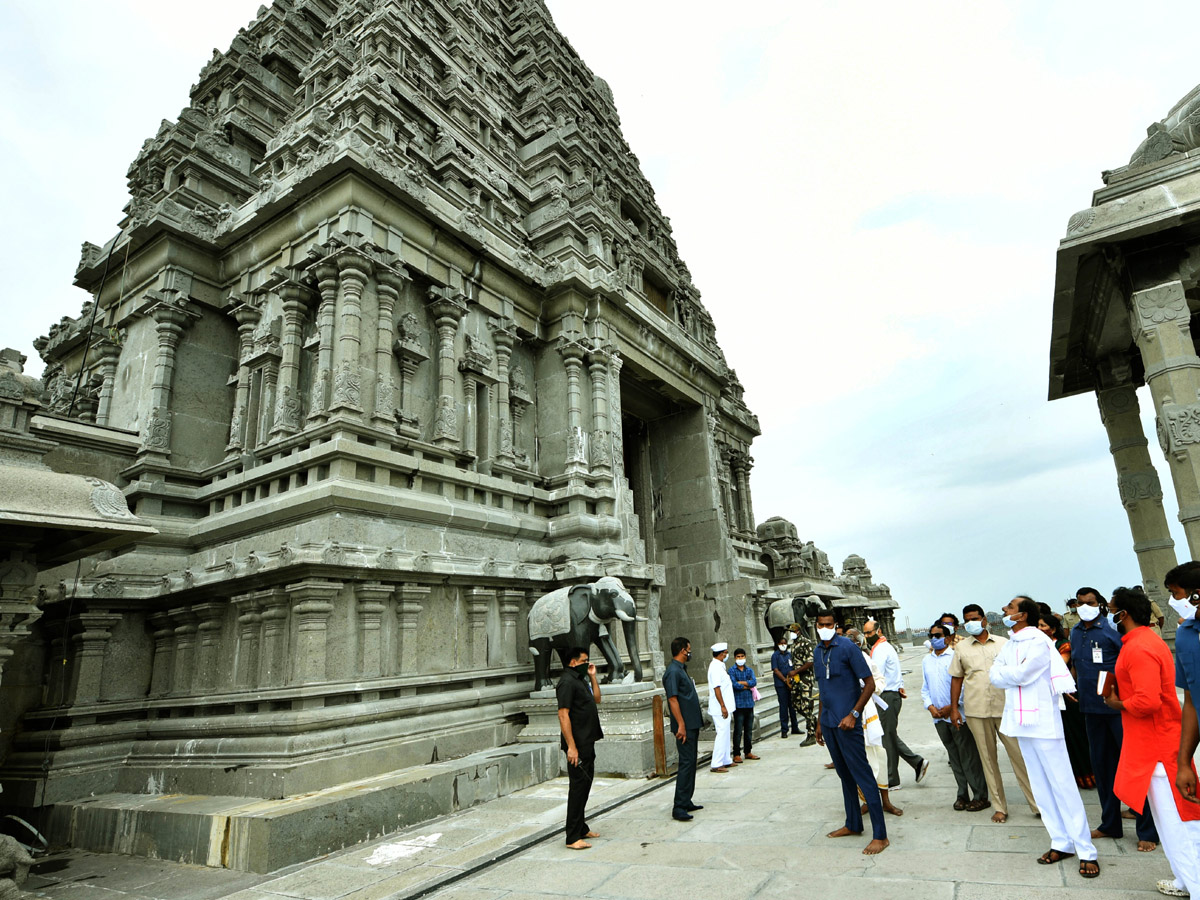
719,646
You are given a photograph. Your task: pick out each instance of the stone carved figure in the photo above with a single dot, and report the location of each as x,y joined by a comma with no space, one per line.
579,616
782,613
14,867
1177,133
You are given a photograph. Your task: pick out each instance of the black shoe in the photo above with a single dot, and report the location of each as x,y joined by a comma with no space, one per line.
694,807
784,735
682,817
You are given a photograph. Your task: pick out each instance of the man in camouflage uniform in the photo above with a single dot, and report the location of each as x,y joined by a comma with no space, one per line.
804,685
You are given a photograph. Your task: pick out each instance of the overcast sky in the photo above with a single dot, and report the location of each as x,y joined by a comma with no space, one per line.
868,195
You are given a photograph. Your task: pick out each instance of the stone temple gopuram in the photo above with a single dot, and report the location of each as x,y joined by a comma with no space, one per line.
393,340
1126,301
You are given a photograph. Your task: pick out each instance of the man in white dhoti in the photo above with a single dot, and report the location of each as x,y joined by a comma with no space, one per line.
720,707
1034,677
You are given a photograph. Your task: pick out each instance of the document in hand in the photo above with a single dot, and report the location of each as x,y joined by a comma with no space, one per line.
1100,682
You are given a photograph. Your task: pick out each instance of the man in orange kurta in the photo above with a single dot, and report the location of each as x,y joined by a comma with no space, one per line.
1150,716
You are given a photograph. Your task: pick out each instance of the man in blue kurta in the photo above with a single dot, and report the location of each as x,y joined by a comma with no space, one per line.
1183,582
844,684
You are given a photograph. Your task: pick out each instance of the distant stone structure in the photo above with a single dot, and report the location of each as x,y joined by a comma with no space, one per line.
797,569
394,339
1125,295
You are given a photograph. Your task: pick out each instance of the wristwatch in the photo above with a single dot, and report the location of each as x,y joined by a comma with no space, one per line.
855,713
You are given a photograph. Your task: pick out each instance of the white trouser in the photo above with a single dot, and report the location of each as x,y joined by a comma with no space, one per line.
722,745
1057,796
1180,839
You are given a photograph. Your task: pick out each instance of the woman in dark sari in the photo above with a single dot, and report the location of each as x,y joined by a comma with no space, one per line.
1072,718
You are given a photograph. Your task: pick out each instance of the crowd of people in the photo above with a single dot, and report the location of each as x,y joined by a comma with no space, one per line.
1079,701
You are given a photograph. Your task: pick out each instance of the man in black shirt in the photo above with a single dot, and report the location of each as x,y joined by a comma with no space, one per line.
580,723
685,722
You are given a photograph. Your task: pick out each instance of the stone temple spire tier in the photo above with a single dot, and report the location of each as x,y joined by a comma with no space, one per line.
400,341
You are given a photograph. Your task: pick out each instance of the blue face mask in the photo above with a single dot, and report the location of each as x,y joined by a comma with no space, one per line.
938,643
1009,621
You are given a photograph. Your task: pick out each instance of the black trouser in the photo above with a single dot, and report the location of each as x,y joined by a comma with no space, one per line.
579,779
743,723
1105,735
895,748
784,696
685,778
964,761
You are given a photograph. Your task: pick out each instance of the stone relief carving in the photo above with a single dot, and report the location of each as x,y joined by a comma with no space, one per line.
158,431
110,588
108,500
1135,486
1178,427
1161,304
445,424
347,387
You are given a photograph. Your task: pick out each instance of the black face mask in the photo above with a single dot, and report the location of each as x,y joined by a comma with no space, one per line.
581,668
873,637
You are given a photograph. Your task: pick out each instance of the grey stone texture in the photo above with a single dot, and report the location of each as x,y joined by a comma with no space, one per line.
1125,292
394,340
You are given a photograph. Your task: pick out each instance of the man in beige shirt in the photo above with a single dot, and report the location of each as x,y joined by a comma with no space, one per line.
983,705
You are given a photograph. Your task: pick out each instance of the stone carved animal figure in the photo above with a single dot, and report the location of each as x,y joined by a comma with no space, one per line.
580,616
14,867
782,613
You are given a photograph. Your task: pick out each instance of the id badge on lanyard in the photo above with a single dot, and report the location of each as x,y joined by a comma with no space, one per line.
1097,654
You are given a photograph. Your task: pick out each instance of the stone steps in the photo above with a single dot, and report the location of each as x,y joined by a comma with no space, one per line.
253,835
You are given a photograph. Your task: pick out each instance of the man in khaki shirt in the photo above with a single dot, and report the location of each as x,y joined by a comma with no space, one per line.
983,705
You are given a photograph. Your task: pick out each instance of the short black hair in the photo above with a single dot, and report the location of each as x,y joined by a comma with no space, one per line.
974,607
739,650
678,644
1185,575
951,616
577,652
1029,606
1090,590
826,614
1135,603
939,625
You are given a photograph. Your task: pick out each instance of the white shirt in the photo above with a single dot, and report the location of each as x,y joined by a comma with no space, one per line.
718,677
888,661
1024,669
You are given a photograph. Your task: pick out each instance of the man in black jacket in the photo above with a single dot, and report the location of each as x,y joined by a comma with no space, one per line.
579,720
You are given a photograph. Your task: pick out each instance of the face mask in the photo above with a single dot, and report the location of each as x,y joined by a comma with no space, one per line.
581,668
949,628
740,662
1117,622
1009,621
872,637
973,627
1184,608
791,637
1089,613
938,643
826,634
782,646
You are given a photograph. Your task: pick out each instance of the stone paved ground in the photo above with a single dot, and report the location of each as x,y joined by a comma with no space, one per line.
760,836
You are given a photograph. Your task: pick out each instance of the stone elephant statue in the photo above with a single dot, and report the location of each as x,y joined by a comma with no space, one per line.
14,867
783,613
580,616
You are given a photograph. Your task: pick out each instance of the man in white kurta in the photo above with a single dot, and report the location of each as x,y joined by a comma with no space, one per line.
720,707
1033,677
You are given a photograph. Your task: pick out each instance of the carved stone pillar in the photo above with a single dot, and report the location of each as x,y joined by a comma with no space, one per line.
353,272
163,665
208,646
1141,493
503,336
572,354
110,354
478,600
249,625
327,284
448,308
410,600
389,284
273,653
185,623
288,406
91,642
312,603
372,602
601,443
615,415
171,316
724,480
511,605
410,350
743,463
247,317
1160,323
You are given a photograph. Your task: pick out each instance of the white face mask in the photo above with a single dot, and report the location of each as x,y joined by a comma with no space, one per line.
791,637
740,662
973,627
1184,608
826,634
1089,613
782,646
